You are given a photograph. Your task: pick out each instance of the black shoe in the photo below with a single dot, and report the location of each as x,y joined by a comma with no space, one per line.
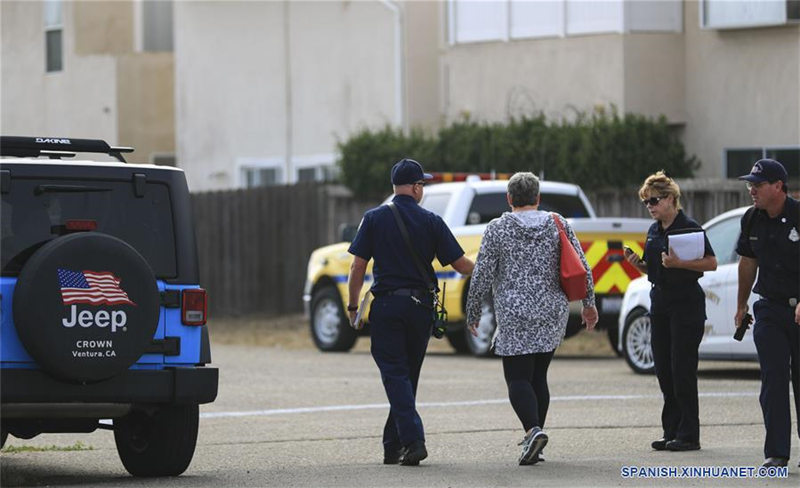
414,453
680,445
392,457
775,462
660,445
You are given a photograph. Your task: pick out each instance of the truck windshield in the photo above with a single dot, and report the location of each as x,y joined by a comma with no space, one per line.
36,211
488,206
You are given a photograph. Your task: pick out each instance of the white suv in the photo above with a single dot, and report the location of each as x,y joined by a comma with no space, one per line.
720,287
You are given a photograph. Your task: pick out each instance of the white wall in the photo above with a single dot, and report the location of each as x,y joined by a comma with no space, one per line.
80,101
231,83
743,89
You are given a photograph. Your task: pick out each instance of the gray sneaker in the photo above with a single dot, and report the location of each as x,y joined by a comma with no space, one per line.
532,446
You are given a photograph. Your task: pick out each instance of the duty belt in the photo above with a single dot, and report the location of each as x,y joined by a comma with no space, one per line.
789,302
405,292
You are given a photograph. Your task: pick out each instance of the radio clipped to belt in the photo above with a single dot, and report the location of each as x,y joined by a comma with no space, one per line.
439,312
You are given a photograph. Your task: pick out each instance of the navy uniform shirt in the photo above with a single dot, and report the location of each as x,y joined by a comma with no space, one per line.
775,243
379,237
657,243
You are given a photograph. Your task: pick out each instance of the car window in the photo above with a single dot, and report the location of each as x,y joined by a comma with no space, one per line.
488,206
33,215
723,236
436,202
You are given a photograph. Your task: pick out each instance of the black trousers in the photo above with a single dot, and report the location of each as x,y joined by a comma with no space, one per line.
400,331
777,339
677,318
526,379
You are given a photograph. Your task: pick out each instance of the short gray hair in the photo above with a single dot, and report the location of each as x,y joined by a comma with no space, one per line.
523,189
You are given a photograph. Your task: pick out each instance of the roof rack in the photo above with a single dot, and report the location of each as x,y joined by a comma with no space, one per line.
57,147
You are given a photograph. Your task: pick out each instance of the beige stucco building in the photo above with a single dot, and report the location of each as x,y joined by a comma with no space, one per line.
263,91
97,70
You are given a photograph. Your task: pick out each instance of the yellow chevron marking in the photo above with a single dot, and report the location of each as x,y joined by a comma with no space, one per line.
614,275
596,252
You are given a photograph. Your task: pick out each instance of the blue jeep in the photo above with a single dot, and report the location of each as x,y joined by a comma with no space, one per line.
102,313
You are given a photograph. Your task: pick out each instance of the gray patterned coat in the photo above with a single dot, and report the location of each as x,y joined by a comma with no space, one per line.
519,263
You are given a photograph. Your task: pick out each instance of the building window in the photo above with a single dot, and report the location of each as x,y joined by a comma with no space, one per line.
163,159
53,35
726,14
740,161
156,25
306,174
501,20
254,177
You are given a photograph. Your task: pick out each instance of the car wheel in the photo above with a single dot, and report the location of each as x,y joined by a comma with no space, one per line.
636,346
574,326
613,339
329,325
159,443
481,346
458,339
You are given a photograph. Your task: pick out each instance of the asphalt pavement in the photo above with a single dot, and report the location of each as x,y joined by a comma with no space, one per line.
304,418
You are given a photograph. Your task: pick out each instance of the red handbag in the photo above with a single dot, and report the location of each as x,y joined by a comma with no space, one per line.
572,272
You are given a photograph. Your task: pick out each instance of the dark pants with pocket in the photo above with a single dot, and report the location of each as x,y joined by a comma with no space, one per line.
400,330
677,318
777,339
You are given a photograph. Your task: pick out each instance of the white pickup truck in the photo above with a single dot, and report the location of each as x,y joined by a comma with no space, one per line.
467,207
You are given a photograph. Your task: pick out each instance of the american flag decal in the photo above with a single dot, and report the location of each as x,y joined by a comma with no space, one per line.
92,287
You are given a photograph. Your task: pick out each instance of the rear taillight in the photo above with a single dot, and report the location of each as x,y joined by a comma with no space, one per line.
193,306
80,225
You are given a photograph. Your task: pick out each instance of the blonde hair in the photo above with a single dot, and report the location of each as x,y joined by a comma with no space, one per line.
660,185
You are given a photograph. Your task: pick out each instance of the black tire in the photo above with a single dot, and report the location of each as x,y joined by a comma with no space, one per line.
636,347
330,327
574,326
613,339
157,444
4,434
86,306
456,338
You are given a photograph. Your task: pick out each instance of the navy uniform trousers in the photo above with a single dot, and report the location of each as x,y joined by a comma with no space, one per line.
677,317
400,330
777,339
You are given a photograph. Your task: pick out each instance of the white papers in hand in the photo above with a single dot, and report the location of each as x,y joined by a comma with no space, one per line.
358,322
688,246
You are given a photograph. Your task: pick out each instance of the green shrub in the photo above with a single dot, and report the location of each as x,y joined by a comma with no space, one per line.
596,151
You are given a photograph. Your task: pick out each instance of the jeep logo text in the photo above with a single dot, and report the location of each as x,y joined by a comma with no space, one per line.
102,318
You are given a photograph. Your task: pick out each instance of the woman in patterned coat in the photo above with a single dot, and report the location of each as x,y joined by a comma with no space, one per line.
519,264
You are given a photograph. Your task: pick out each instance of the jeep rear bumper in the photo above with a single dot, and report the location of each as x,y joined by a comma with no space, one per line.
165,386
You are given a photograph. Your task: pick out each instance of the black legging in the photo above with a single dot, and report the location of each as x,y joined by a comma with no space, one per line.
526,377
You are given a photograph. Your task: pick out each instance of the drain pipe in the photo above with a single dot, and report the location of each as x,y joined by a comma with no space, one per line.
399,64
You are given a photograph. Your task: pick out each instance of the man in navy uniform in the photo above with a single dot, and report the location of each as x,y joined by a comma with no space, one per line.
770,244
401,315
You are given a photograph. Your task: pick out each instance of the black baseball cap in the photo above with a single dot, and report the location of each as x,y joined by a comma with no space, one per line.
766,170
407,171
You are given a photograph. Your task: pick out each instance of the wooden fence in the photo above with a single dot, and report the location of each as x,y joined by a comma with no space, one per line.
701,199
254,244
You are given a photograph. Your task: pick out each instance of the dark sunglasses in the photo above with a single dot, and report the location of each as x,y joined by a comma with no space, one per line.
652,201
420,183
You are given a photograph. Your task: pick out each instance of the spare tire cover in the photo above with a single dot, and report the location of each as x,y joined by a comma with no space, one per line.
86,306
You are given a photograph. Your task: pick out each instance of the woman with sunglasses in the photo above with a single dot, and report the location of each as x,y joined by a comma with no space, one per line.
677,311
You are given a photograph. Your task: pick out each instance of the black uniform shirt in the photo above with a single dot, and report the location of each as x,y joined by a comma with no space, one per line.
775,244
657,243
379,237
